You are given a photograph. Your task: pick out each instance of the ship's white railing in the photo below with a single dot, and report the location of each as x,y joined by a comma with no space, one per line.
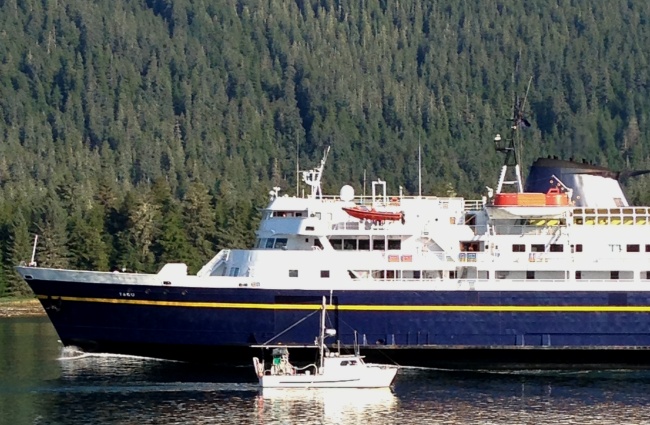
502,229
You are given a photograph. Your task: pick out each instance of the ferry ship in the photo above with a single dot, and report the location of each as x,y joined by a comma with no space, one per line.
551,274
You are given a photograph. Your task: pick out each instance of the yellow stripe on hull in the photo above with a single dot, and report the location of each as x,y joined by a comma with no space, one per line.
438,308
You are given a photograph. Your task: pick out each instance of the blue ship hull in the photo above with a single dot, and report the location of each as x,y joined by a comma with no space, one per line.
467,329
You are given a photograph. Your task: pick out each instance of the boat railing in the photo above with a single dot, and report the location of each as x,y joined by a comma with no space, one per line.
541,229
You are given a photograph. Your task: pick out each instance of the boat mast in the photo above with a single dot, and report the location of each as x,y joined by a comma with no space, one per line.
512,146
313,177
321,337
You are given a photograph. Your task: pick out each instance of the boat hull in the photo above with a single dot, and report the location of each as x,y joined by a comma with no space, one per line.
371,377
433,328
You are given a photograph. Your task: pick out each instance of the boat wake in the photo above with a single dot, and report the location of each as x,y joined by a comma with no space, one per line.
76,353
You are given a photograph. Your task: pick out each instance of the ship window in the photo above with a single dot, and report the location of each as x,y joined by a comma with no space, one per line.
234,271
260,243
530,274
344,363
378,244
578,275
579,247
280,243
557,247
613,275
269,243
324,273
364,244
309,228
416,274
336,243
518,248
394,244
317,244
537,248
633,248
349,244
293,273
647,275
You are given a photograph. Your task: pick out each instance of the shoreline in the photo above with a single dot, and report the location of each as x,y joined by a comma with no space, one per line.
21,308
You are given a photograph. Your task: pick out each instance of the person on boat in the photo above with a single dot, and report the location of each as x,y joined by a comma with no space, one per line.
281,364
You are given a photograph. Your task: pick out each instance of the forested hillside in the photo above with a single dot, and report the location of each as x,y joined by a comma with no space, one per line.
134,132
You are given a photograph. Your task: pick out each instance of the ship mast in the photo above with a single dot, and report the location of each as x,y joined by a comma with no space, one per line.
313,177
511,147
321,338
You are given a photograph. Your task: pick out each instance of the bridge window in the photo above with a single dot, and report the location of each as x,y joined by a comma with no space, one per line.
394,244
280,243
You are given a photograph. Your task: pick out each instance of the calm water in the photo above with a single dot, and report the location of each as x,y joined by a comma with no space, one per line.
39,384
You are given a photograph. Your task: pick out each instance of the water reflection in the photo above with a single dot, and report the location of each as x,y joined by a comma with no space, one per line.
347,405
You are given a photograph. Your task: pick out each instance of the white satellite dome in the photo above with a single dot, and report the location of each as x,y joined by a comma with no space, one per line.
347,193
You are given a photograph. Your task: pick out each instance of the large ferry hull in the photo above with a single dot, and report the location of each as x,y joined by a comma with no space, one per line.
432,328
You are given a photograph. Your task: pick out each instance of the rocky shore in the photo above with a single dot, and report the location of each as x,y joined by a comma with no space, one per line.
21,308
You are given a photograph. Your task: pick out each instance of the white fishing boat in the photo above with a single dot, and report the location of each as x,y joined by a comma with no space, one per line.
332,370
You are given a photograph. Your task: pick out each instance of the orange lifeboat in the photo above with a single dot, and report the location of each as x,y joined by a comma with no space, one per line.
365,213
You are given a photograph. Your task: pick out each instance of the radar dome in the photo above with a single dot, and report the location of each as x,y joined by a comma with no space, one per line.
347,193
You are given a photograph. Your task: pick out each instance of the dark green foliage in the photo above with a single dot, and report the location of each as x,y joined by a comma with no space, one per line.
99,100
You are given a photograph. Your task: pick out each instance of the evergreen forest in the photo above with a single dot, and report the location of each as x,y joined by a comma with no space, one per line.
138,132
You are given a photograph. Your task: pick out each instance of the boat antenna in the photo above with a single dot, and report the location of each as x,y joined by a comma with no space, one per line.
419,166
297,165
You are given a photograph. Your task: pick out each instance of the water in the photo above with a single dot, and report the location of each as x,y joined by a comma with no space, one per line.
39,386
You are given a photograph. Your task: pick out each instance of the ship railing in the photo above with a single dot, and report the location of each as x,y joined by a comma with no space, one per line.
502,229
